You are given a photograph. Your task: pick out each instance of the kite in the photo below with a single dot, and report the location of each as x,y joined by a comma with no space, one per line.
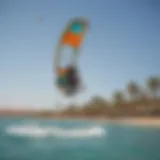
67,77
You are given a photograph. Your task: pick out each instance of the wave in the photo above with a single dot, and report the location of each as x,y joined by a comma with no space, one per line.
54,131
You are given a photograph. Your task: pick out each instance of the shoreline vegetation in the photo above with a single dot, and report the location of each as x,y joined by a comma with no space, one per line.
136,105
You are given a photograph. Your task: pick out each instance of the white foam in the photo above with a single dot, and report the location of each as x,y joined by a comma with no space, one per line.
39,131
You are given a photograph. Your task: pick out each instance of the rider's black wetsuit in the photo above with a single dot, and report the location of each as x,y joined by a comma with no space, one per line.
73,80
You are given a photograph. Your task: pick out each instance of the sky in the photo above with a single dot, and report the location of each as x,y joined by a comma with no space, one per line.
122,44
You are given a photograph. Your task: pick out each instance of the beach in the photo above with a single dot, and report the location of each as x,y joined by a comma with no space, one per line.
145,121
138,121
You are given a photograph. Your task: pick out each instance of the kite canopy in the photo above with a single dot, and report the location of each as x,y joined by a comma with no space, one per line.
72,37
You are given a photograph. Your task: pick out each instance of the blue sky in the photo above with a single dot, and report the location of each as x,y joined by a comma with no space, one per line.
122,44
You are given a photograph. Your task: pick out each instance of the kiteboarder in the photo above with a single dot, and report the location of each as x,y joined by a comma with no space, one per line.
67,78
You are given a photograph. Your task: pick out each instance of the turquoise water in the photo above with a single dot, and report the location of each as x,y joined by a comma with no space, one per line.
33,139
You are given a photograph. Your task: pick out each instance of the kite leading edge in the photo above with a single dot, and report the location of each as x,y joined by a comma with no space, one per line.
67,77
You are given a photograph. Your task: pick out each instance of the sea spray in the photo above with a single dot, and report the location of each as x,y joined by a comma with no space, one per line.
55,131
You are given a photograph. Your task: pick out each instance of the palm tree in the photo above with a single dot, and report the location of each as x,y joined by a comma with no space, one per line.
118,98
98,104
153,84
70,110
133,90
89,109
98,100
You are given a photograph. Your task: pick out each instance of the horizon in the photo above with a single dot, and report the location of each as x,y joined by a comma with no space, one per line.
122,45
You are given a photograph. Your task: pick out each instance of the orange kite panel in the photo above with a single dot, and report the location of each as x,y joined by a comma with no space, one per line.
72,39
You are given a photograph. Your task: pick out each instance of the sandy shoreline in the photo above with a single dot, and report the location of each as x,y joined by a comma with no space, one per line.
145,121
139,121
135,121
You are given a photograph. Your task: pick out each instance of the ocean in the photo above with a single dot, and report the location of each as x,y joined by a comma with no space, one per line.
37,139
